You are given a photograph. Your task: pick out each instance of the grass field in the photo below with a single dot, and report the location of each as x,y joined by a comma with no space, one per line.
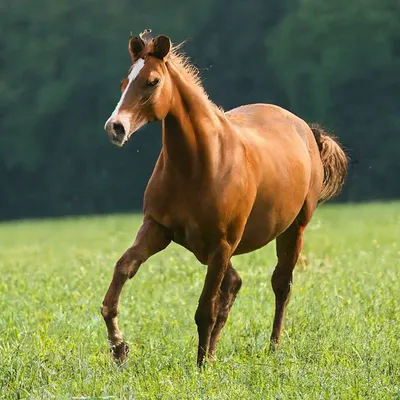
342,336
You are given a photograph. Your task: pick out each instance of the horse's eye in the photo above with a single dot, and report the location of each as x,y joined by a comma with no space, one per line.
153,82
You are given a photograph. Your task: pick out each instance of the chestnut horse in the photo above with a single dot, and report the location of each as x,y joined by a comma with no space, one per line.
225,183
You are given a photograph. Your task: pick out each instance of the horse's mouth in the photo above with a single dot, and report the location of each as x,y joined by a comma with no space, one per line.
119,139
119,142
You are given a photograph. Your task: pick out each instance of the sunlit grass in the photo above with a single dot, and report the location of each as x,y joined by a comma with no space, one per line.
342,329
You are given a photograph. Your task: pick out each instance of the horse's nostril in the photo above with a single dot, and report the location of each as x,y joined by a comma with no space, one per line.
118,129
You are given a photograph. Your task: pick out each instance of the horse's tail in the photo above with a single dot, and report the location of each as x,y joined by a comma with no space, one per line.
334,161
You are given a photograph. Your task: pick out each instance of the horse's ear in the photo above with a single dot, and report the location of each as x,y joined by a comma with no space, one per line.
162,46
135,47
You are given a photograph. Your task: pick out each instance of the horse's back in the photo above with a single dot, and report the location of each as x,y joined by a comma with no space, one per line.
275,134
269,120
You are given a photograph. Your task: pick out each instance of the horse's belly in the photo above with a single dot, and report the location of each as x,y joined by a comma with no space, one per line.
271,215
263,227
281,194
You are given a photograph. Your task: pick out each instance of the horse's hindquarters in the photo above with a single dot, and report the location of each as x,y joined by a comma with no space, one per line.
285,174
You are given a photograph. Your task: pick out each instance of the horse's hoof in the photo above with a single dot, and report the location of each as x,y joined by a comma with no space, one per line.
120,352
273,346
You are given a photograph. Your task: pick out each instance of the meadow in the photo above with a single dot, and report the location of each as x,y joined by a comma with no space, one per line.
342,331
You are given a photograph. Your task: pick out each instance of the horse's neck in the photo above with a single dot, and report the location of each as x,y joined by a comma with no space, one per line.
190,130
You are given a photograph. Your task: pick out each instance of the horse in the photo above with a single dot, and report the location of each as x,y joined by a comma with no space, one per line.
225,183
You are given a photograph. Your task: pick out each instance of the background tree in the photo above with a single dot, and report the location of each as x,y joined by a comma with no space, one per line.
61,62
338,63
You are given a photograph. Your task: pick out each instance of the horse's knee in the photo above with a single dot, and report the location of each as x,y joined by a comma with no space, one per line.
127,266
205,317
109,312
232,282
236,283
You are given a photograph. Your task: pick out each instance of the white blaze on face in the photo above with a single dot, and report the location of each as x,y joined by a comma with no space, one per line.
137,67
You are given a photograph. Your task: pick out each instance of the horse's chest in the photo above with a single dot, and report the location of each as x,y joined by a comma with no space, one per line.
187,232
190,216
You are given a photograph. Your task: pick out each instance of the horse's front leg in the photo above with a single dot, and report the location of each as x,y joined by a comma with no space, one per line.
207,310
230,287
151,238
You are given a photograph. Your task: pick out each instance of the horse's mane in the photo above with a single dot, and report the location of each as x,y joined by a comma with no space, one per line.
190,71
183,63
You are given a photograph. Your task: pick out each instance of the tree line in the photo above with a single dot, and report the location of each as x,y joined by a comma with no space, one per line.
336,63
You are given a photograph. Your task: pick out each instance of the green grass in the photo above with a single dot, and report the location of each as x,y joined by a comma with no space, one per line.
341,339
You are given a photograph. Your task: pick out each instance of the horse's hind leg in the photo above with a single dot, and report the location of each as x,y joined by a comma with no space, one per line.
150,239
288,248
229,288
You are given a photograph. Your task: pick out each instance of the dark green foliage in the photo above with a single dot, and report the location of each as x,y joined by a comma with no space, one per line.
61,62
338,63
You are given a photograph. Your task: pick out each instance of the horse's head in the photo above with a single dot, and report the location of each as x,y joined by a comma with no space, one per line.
146,91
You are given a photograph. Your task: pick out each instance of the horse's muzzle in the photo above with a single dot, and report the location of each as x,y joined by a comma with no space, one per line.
116,132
